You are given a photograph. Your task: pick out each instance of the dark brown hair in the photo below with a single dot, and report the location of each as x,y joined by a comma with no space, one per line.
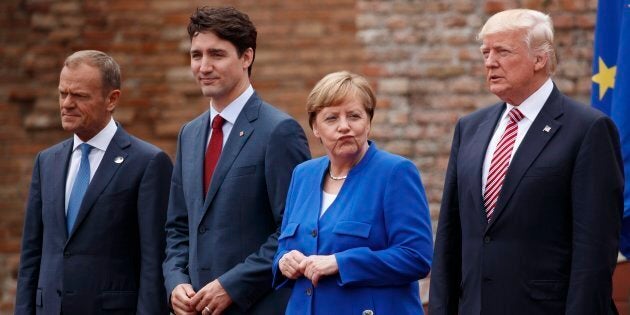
228,24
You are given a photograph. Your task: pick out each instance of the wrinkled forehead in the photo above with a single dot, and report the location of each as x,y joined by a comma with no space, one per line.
80,76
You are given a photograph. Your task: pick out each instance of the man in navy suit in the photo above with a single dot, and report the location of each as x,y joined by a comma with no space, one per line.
231,177
93,235
532,203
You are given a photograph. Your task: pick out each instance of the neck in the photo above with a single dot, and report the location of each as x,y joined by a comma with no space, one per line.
341,166
220,102
526,93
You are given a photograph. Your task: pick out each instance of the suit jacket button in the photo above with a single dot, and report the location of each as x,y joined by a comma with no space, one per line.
314,233
58,292
487,239
368,312
309,291
202,229
66,254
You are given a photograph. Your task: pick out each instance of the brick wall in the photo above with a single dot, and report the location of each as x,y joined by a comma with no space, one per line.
420,55
428,71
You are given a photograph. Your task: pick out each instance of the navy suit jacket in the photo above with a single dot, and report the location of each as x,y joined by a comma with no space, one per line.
551,245
110,262
232,233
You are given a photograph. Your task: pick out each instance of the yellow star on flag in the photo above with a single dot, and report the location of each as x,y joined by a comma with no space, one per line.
605,78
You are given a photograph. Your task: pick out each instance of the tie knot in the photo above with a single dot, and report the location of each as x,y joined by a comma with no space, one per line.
85,149
515,115
217,122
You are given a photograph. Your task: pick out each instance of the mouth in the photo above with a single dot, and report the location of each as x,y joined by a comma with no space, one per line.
208,81
494,78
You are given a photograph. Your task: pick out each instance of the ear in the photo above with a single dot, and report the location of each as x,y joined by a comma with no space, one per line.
112,100
315,131
540,61
248,58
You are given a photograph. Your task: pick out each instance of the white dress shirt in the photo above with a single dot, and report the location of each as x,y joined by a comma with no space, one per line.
530,109
230,113
99,144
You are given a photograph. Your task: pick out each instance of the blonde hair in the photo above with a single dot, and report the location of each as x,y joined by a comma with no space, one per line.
537,25
335,88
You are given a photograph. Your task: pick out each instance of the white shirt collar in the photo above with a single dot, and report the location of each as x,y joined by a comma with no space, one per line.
231,112
102,139
534,103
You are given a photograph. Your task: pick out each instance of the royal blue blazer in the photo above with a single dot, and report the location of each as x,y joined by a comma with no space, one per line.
378,228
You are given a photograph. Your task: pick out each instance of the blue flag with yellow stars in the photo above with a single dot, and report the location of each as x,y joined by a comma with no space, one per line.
611,85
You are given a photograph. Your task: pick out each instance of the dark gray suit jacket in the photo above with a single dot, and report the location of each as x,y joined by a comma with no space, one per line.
110,262
232,233
551,245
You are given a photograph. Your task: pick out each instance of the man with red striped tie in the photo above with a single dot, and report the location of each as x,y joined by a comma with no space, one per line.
530,217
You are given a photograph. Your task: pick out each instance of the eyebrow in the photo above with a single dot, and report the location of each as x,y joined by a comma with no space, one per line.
210,50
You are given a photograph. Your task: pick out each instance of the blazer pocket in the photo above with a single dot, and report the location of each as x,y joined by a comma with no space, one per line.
544,171
289,230
38,298
242,171
120,194
547,289
115,300
353,228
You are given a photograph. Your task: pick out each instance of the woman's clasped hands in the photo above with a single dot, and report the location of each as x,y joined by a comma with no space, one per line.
294,264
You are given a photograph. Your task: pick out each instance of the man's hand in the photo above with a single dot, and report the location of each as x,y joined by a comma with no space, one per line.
181,299
211,299
289,264
316,266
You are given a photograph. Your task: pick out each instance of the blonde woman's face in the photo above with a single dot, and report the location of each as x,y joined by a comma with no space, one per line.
343,129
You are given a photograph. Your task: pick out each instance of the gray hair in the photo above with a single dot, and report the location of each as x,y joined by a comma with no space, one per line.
109,68
537,25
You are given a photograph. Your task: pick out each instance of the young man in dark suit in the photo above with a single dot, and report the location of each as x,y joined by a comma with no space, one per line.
233,168
532,203
93,231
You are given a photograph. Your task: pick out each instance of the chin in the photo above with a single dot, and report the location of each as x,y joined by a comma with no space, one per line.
346,152
67,126
498,90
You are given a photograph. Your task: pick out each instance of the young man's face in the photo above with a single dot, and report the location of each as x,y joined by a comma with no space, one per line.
220,72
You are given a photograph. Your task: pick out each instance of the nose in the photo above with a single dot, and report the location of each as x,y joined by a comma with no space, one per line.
343,125
206,65
491,60
66,102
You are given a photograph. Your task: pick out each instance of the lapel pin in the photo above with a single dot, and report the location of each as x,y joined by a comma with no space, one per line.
119,159
242,133
547,128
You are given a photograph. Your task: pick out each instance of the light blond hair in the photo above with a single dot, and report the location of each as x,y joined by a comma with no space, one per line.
538,29
337,87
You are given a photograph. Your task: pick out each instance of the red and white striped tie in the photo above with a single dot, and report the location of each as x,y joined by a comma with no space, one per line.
500,162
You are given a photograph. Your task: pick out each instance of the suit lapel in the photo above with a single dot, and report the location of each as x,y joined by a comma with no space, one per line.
199,154
103,175
530,148
241,131
59,172
480,143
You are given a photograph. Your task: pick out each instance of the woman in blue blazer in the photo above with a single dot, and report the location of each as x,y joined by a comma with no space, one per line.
356,234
